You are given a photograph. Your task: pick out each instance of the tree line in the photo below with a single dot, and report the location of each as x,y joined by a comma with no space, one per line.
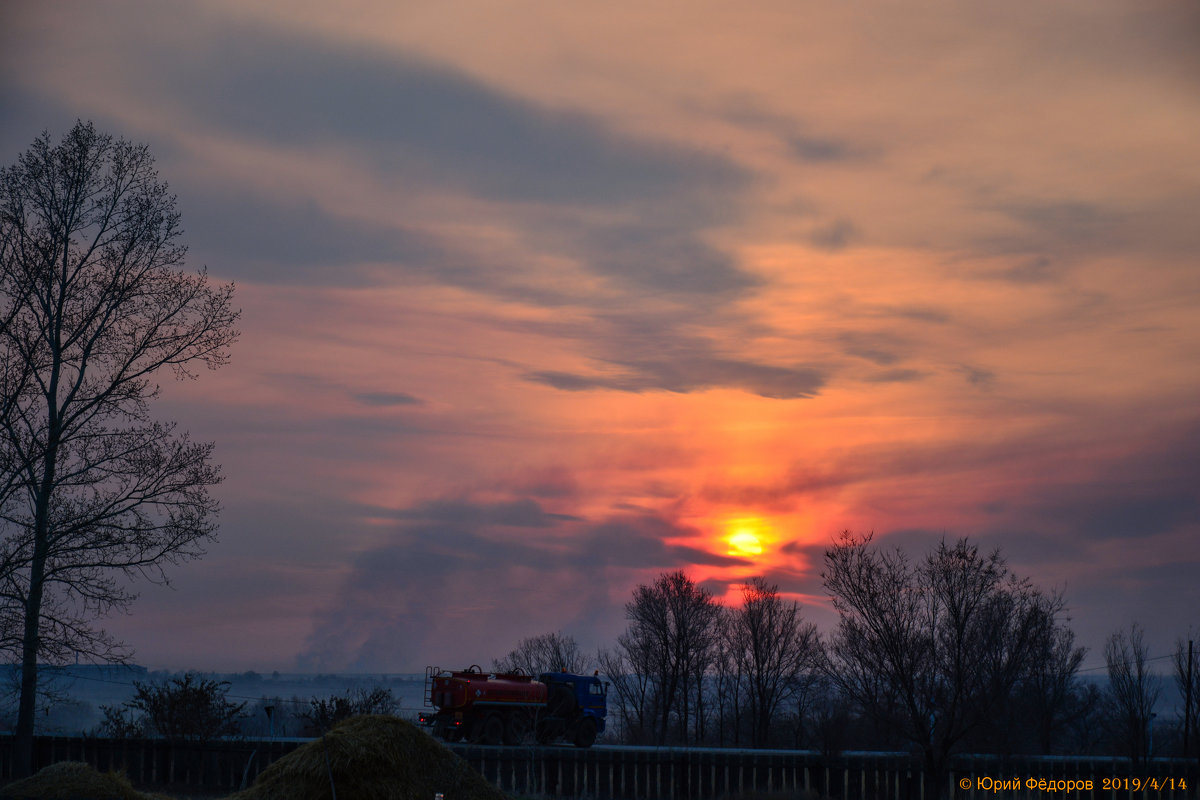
948,653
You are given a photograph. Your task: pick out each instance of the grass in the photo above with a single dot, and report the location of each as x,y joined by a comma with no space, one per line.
71,780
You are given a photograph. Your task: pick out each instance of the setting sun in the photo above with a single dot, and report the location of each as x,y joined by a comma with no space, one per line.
744,543
747,537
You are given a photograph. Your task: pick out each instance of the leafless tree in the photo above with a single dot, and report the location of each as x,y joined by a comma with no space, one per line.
823,717
670,638
325,712
1051,683
930,649
630,696
775,650
1187,679
727,682
94,303
1132,691
549,652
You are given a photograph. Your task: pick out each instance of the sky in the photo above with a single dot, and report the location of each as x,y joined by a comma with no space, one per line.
541,300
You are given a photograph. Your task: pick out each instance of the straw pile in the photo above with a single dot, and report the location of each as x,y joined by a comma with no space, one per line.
371,758
72,780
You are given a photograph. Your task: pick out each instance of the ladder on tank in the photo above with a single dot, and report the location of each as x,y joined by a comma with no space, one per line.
430,672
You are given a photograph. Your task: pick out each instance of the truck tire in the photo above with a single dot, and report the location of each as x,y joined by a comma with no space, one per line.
585,732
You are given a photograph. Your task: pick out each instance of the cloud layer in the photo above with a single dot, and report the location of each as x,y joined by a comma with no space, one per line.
541,301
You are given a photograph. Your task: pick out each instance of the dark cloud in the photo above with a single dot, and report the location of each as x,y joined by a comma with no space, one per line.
875,355
835,235
747,112
662,258
881,357
521,513
668,351
918,313
813,148
977,376
421,125
896,376
296,241
427,122
639,541
416,126
693,374
1051,238
386,399
1035,269
1075,222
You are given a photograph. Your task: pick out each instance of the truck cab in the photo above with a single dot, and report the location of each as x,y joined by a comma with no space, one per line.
576,708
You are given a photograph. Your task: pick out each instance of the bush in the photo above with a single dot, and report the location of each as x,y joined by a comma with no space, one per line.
187,709
324,713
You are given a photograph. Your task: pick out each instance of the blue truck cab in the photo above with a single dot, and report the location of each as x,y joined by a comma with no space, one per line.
575,709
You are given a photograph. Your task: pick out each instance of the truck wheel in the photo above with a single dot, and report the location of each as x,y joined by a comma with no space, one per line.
585,734
493,730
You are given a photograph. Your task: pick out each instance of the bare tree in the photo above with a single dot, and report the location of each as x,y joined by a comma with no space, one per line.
94,304
1187,679
670,638
931,650
325,712
1051,684
727,681
630,696
774,648
1132,691
549,652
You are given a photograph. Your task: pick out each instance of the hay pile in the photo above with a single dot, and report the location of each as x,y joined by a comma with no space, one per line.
371,758
73,780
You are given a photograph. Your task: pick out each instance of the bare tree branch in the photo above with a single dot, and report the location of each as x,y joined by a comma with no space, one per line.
93,303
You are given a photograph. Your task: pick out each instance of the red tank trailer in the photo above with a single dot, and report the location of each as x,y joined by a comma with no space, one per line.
505,707
462,689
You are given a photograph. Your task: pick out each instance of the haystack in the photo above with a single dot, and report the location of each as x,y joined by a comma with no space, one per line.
371,758
71,780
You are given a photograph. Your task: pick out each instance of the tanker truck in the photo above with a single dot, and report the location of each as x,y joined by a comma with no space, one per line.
507,707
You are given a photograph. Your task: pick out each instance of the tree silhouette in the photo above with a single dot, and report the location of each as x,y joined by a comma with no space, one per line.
1132,691
932,649
774,649
93,304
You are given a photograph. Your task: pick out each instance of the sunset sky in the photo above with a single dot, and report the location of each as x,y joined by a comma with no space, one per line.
542,299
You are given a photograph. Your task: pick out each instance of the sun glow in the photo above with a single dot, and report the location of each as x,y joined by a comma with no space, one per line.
744,543
747,537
